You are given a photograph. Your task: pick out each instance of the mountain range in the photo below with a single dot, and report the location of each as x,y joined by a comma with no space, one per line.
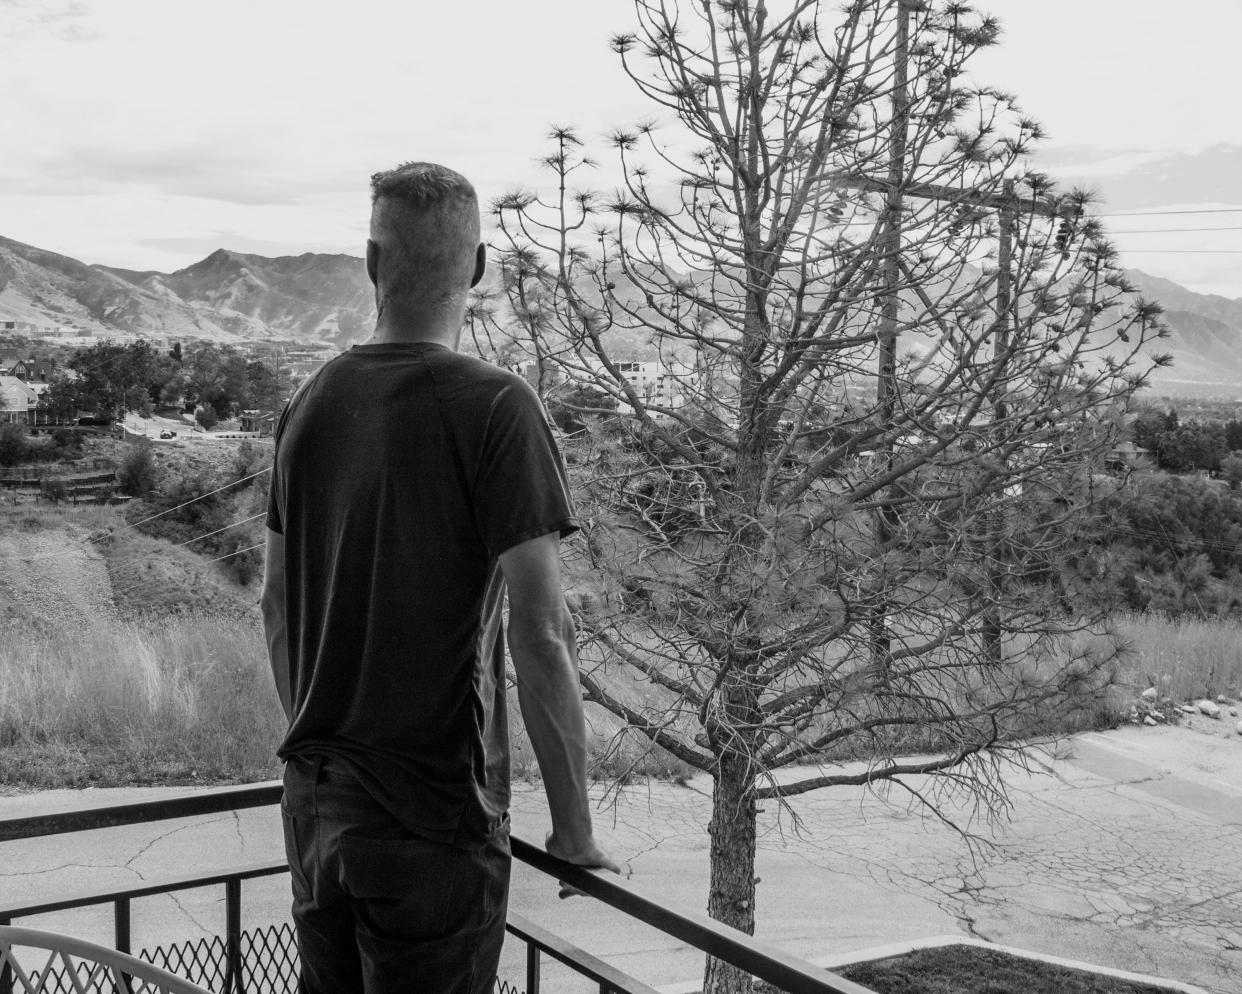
230,296
224,297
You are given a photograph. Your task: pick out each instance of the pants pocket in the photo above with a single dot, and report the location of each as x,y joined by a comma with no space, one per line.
293,853
407,888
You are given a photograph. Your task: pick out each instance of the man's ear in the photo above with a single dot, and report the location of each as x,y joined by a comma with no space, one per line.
373,251
480,264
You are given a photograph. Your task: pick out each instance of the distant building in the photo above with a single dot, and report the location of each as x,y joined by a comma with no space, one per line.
1127,455
530,372
659,385
264,422
18,401
32,369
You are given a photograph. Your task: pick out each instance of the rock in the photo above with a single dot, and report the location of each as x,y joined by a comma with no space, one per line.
1209,708
1222,699
1149,720
1187,709
1240,727
1234,712
1158,715
1150,694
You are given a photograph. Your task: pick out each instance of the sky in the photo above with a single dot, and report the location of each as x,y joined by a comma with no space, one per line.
147,133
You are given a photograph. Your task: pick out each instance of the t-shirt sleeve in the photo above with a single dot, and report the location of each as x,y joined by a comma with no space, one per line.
521,490
273,520
275,487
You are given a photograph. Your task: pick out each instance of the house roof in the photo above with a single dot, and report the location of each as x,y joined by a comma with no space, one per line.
10,385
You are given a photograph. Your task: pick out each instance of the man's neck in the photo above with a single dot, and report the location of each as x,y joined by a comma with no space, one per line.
402,325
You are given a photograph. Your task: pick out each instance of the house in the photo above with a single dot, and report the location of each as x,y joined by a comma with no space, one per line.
1127,455
39,370
29,369
264,422
17,401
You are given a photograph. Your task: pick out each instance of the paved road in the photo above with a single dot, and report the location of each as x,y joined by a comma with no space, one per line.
1126,850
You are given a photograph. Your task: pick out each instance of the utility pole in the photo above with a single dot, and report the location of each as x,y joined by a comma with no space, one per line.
993,633
886,386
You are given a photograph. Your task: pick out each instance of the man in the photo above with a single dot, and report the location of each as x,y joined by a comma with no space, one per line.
410,486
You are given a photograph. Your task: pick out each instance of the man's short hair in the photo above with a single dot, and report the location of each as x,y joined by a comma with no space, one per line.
425,219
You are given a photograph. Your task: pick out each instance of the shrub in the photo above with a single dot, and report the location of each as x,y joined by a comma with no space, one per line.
13,444
68,440
206,416
137,474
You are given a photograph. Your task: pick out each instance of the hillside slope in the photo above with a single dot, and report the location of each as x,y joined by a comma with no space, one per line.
65,571
1206,341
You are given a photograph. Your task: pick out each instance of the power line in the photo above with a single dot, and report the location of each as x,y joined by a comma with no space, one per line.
234,524
1166,231
1208,210
249,548
135,524
1205,543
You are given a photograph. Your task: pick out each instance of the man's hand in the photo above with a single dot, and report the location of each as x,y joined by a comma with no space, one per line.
588,855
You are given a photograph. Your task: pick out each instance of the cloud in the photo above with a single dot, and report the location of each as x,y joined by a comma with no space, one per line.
1131,179
67,20
231,172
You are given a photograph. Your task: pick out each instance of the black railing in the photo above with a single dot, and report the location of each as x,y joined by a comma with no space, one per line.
763,960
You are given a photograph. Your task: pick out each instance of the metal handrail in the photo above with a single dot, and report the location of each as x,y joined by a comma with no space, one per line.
762,959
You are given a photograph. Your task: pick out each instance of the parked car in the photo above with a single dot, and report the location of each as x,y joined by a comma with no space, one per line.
168,434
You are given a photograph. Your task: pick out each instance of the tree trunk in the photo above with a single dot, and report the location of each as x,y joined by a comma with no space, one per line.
731,896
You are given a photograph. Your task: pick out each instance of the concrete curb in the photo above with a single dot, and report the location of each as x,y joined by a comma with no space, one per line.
901,948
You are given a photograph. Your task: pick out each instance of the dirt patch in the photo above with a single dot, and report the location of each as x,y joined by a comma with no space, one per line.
52,578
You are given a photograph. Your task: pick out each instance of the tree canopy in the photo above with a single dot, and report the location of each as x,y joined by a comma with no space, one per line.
891,361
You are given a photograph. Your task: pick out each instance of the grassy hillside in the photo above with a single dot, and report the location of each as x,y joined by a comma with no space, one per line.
180,700
124,659
127,660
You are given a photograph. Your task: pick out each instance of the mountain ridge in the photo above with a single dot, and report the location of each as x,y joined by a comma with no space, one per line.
227,296
230,296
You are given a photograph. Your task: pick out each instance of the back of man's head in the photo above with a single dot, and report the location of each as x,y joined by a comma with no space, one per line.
425,221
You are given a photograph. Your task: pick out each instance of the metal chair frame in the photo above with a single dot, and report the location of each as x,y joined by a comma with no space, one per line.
106,970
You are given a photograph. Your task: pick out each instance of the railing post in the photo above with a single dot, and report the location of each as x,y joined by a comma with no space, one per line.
7,985
121,925
532,968
232,940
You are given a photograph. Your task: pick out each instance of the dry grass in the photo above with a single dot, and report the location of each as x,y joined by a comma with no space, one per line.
182,700
1184,658
187,698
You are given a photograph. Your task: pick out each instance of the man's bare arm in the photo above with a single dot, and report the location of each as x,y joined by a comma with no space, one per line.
274,622
543,645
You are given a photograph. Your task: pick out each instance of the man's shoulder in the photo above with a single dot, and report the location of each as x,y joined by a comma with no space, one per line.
469,379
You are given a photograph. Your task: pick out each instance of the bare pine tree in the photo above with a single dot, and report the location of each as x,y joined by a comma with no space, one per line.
845,513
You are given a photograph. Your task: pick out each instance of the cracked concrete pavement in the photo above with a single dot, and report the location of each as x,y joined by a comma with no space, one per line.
1125,851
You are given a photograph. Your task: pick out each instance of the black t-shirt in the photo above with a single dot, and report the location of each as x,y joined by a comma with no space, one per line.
401,474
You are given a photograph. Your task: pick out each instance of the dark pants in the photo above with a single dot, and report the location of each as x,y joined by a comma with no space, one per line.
379,910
